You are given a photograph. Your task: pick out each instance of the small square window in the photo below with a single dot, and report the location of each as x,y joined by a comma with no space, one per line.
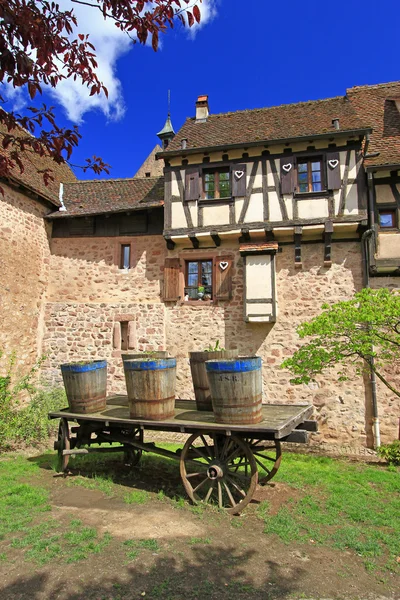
199,280
309,175
217,184
125,258
387,218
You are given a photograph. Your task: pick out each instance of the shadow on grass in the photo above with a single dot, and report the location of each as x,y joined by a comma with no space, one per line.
152,474
211,572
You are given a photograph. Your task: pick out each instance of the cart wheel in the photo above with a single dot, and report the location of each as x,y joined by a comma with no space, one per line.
62,443
268,455
222,470
132,456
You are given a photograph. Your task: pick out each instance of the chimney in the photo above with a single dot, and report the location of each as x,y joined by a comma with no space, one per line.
202,110
336,123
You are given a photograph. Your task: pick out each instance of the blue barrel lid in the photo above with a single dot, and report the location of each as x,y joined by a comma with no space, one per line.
151,364
81,368
234,365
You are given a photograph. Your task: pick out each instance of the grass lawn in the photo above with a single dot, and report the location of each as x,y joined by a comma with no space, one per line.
342,513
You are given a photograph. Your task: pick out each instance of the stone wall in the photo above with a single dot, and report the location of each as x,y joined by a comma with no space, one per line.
88,295
24,264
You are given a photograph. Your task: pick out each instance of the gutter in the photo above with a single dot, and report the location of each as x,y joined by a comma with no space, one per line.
221,147
366,255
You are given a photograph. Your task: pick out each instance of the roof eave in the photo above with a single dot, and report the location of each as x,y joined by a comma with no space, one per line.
199,150
383,167
65,214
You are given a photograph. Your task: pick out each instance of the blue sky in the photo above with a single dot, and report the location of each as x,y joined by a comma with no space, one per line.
247,54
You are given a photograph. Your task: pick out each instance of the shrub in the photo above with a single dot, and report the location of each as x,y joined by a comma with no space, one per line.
25,424
390,452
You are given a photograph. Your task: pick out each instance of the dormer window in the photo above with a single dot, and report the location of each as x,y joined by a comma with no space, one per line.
216,184
309,175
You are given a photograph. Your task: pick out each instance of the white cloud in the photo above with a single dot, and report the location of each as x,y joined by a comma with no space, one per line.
208,11
15,98
110,44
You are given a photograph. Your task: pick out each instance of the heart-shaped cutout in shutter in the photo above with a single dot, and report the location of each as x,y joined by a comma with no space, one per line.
239,174
223,265
287,167
333,163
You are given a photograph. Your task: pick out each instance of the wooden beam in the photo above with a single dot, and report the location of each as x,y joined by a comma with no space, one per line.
298,231
245,237
194,240
215,238
328,244
170,242
269,235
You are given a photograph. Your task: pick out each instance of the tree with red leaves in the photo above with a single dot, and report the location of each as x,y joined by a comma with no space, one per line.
38,48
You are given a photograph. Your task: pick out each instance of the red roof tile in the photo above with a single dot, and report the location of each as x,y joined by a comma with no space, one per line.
376,105
31,177
269,124
111,195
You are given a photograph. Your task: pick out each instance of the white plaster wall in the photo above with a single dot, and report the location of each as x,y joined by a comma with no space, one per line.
274,208
383,194
215,215
388,245
174,186
258,177
288,200
193,212
255,209
178,218
238,208
312,208
352,165
351,205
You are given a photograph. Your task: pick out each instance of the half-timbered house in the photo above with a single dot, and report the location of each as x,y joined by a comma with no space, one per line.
260,216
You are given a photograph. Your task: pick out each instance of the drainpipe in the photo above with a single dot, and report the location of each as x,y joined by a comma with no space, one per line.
365,252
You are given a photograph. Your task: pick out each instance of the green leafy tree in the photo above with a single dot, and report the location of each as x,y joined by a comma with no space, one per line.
363,332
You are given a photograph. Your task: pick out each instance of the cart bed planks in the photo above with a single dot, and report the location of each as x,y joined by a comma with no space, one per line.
278,419
220,463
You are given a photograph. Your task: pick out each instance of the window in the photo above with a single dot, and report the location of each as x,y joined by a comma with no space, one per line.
309,175
125,259
217,184
387,218
124,335
198,280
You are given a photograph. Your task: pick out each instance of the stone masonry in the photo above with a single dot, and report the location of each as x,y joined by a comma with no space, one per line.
24,265
88,295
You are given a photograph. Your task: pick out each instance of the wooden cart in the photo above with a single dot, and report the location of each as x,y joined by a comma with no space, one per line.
218,463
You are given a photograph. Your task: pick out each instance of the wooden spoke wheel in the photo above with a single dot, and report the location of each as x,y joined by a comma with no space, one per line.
133,455
220,470
268,455
63,443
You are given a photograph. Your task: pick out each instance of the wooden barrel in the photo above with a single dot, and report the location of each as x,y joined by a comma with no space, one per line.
144,355
86,386
236,390
151,388
199,375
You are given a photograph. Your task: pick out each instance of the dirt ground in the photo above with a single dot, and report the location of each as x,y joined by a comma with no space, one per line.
198,555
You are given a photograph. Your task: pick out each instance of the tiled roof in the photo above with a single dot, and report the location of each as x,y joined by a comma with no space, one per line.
268,124
31,178
110,195
375,104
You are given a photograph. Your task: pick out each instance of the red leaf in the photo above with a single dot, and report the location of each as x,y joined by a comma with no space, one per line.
154,40
196,12
190,18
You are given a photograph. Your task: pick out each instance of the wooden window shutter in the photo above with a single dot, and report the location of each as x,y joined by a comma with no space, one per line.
238,180
334,180
192,187
223,277
288,175
171,279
